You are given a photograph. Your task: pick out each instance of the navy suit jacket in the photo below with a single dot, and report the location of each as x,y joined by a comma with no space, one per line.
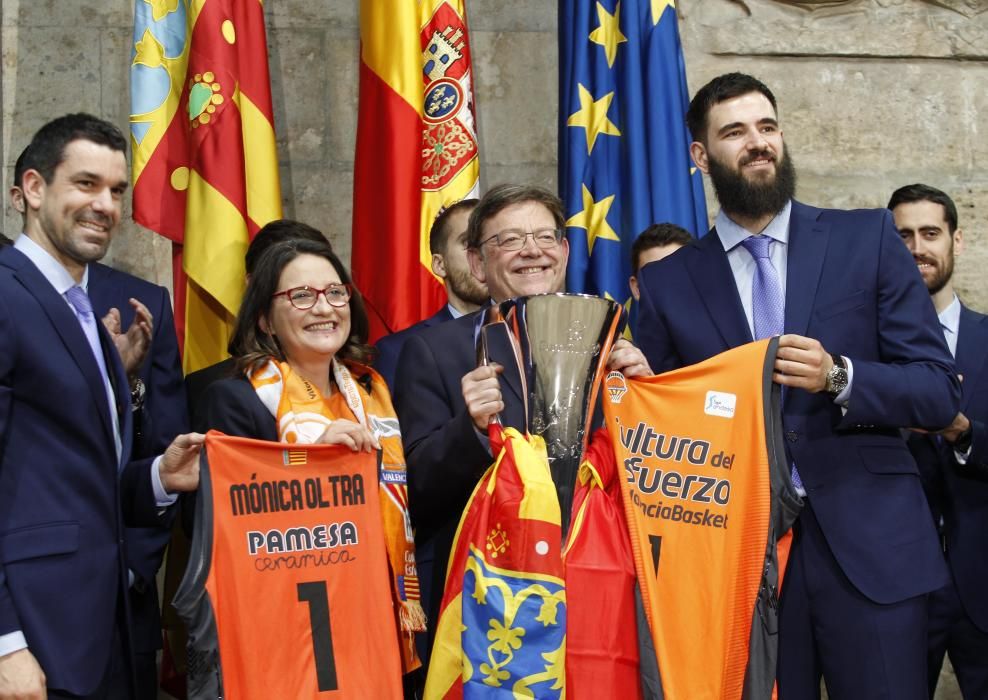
959,493
196,383
64,494
446,458
231,406
162,417
853,286
389,347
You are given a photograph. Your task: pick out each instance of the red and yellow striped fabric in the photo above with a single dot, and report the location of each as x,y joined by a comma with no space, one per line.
205,165
416,151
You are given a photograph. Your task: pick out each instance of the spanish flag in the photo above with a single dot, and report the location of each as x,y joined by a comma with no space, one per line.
602,650
416,151
205,166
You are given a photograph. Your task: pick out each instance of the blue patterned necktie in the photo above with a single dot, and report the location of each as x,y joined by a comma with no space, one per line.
767,303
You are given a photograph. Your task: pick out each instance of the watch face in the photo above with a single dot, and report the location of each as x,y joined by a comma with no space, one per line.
836,380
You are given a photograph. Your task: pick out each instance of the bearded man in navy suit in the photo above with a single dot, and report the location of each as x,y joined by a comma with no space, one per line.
859,358
953,463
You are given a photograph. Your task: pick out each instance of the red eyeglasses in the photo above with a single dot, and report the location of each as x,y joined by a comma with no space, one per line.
303,298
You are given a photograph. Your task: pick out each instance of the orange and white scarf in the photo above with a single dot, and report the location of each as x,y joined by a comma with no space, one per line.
303,414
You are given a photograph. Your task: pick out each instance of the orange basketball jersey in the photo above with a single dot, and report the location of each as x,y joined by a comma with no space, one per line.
710,504
287,592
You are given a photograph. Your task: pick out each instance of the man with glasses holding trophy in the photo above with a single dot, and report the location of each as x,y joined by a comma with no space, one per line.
445,400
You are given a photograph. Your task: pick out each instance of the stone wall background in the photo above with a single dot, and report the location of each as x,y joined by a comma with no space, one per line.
874,94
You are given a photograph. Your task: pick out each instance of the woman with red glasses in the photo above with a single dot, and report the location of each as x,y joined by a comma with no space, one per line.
301,353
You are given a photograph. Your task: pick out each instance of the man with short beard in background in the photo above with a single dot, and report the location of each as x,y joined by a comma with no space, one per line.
464,293
859,357
954,463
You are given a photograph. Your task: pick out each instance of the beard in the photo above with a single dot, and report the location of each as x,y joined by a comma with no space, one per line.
753,199
464,285
941,272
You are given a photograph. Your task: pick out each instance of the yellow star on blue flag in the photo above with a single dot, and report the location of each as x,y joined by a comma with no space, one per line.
622,136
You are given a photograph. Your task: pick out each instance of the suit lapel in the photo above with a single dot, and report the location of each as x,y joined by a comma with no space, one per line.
67,325
502,352
972,338
100,290
105,292
121,388
808,239
714,281
499,349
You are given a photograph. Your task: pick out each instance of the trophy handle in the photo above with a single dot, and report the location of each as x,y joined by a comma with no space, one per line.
490,318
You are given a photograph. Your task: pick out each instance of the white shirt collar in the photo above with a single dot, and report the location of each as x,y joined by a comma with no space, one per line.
53,271
453,311
950,318
731,234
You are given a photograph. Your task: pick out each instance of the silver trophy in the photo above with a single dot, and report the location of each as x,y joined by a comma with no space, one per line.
560,344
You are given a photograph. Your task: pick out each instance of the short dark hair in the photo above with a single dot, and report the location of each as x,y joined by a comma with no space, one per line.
19,167
924,193
654,236
47,148
439,233
250,346
278,231
723,87
500,197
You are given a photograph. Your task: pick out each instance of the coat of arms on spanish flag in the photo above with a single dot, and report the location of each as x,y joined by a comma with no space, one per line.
502,624
416,153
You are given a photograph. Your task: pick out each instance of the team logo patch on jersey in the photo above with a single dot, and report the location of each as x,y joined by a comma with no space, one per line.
719,403
616,386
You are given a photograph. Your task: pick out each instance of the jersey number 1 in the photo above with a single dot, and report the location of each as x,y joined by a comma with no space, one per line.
314,593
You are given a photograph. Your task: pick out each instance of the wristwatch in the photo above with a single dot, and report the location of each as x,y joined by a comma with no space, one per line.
837,376
137,395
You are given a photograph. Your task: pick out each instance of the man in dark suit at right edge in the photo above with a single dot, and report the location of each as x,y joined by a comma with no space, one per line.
859,357
953,464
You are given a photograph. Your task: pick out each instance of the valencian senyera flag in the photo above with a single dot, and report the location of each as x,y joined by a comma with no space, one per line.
502,622
416,151
522,617
205,166
624,159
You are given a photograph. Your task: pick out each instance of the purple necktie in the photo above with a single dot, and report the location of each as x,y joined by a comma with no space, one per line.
767,302
84,312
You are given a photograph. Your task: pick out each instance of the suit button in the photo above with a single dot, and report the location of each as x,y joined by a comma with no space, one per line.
791,436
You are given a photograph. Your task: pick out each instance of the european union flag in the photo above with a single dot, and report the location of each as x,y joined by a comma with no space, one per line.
623,145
